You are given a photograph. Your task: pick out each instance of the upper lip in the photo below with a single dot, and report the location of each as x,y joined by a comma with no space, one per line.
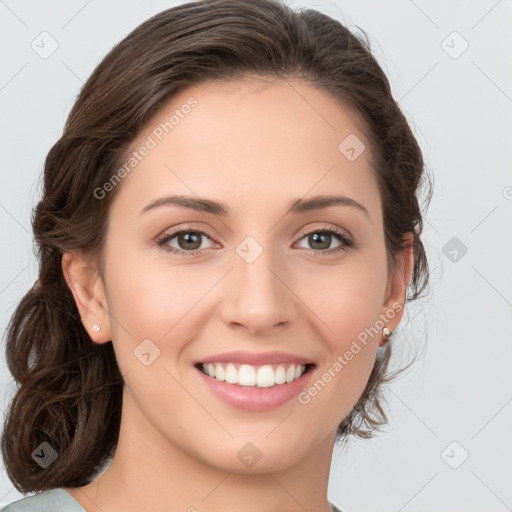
255,359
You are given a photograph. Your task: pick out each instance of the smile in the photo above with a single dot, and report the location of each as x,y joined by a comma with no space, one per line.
263,376
255,381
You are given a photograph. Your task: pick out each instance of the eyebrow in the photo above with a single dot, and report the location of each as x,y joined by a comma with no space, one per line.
219,208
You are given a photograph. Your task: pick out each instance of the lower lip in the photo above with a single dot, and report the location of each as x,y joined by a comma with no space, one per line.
255,398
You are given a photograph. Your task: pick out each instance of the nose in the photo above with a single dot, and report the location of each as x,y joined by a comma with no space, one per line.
257,296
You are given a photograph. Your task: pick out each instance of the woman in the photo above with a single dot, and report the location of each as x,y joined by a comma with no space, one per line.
228,234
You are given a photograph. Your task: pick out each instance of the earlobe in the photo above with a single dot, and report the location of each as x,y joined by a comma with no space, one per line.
393,308
87,289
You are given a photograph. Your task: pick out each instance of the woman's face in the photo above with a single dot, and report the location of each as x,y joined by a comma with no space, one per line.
242,272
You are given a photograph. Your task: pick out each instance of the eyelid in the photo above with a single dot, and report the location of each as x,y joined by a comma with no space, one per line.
312,229
325,227
346,238
188,227
163,238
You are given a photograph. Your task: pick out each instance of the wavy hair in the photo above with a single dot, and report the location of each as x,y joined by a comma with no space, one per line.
69,389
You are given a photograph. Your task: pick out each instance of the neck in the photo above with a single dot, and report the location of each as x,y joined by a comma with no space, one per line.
148,472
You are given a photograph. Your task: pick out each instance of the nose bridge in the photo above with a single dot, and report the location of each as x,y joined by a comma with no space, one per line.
257,297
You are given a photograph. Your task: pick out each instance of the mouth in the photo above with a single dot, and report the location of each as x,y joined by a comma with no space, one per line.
255,381
261,376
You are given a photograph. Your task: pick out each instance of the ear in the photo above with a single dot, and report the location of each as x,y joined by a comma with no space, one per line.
87,287
393,307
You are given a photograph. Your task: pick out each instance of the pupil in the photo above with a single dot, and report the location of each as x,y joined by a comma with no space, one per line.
191,237
315,238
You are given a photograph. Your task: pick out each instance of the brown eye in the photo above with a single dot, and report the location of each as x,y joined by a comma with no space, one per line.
320,241
188,241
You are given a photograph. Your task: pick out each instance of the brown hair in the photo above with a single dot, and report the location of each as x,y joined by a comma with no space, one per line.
69,390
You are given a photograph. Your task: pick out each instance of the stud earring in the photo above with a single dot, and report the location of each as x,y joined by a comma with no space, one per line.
96,328
386,333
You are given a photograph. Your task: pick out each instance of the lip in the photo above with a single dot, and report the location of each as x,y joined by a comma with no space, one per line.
255,359
255,398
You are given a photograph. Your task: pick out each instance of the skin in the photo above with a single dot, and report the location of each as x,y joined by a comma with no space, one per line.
256,147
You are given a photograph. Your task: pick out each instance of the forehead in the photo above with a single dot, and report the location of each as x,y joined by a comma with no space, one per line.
272,140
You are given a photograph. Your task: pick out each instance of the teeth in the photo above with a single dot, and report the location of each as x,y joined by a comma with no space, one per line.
220,374
280,375
231,374
265,377
246,375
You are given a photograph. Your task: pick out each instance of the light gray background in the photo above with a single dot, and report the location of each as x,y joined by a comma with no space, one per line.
459,107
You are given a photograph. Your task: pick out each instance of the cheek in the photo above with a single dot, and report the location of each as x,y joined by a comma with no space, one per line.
346,311
346,303
346,299
152,296
144,304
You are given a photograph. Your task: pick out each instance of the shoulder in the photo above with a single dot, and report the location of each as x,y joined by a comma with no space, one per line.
59,500
52,500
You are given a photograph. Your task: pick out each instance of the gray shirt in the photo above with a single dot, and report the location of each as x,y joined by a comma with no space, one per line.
58,500
54,500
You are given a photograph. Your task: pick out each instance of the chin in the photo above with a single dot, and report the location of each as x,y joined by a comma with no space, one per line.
256,454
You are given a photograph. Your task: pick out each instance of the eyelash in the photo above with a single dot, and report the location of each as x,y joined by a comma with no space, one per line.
347,242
